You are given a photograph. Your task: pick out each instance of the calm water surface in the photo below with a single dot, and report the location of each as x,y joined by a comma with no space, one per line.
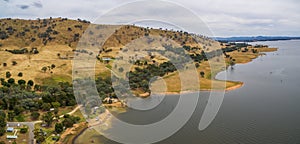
266,110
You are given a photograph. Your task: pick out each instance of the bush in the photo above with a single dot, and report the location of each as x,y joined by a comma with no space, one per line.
30,82
23,130
2,131
21,82
20,74
8,74
202,74
18,51
14,63
11,81
3,35
35,115
59,127
53,66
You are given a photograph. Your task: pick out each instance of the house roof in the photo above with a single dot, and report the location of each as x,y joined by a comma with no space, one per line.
11,136
10,129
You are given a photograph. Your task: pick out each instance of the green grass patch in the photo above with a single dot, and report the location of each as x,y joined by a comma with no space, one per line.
20,118
109,66
104,74
55,79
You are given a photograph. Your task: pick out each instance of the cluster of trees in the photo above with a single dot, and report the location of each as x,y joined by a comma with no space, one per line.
139,78
14,63
23,51
10,82
236,46
68,122
45,68
16,98
84,21
2,122
46,36
3,35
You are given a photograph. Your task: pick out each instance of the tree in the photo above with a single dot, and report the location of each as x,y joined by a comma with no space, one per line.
59,127
202,74
30,82
68,122
11,81
39,135
23,130
18,110
197,65
46,106
2,117
37,87
20,74
2,131
2,122
21,82
48,118
10,116
53,66
4,64
55,105
8,74
14,63
35,115
44,69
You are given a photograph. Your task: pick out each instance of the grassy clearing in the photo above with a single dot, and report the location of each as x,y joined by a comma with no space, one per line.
22,138
90,136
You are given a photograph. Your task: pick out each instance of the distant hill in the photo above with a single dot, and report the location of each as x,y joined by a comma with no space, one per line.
253,39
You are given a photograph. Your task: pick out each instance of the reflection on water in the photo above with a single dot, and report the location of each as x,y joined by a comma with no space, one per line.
265,110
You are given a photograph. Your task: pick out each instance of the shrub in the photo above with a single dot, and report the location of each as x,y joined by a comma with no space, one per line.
20,74
23,130
11,81
30,82
35,115
202,74
21,82
8,74
14,63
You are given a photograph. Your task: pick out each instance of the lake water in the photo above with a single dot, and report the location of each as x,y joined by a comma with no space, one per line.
266,110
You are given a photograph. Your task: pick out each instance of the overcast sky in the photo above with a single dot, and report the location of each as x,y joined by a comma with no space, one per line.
223,17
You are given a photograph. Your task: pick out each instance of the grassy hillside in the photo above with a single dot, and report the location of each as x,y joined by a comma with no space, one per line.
42,50
55,39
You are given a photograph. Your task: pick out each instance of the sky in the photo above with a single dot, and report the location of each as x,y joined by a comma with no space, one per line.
223,17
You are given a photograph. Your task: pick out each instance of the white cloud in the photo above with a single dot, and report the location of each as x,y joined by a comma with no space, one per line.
225,18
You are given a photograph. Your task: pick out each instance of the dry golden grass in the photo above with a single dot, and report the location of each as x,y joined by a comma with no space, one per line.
64,43
245,57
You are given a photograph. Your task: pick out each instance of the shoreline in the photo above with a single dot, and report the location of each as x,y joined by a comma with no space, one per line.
241,84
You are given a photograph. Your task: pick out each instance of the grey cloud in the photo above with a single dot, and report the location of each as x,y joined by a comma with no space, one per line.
37,4
23,6
225,18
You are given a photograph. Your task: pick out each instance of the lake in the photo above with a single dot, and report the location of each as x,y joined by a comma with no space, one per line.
266,110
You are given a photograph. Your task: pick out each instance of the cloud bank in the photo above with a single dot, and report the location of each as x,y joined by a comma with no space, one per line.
224,18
